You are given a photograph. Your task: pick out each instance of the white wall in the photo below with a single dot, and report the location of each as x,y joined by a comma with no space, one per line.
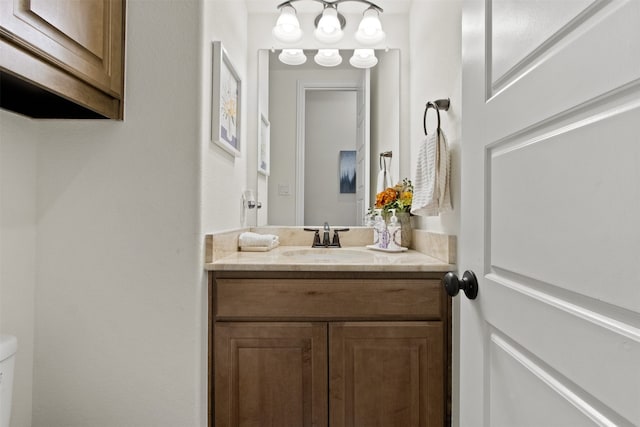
225,177
385,116
18,164
435,50
118,300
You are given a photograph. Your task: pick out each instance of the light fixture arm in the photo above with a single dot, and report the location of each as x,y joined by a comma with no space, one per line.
334,3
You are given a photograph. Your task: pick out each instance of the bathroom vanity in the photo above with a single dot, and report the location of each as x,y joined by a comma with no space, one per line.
329,337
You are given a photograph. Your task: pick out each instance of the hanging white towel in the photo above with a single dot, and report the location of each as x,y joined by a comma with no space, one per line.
384,176
425,201
431,193
384,180
249,241
444,174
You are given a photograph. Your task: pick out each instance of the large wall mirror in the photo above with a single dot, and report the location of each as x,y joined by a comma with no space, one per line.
327,124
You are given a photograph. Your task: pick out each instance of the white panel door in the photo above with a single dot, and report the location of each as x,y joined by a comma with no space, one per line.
550,219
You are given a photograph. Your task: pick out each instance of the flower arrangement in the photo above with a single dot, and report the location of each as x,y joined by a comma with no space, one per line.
398,197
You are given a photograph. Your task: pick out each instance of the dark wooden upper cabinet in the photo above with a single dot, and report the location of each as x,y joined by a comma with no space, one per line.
62,58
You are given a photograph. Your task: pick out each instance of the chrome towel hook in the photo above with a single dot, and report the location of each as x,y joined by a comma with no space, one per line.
439,104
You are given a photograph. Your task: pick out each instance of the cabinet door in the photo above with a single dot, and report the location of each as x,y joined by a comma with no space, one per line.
386,374
84,38
270,374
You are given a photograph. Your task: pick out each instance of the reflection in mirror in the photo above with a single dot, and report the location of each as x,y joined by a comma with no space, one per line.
328,123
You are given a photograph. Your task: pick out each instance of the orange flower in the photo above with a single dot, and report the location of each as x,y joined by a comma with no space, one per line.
389,195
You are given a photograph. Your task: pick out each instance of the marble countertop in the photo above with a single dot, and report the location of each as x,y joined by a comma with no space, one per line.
351,258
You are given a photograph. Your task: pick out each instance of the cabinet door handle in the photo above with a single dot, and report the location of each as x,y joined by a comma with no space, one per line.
469,284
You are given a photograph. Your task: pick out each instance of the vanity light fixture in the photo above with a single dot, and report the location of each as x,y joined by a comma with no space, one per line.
292,56
329,27
363,58
370,29
287,28
329,24
328,57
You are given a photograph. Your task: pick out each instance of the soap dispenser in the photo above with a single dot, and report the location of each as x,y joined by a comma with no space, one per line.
395,232
369,219
380,233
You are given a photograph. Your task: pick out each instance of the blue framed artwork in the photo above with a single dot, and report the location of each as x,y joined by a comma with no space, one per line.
347,170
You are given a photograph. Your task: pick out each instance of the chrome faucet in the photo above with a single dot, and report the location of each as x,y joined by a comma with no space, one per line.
327,242
325,236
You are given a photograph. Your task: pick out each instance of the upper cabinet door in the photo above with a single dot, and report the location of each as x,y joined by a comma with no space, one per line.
73,49
84,38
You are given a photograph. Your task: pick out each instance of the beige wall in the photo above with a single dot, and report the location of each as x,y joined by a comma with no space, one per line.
118,312
18,222
435,51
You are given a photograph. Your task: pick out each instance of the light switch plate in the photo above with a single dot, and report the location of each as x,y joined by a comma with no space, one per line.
283,190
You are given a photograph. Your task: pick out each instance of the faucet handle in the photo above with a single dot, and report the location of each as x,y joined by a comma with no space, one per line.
336,239
336,236
316,236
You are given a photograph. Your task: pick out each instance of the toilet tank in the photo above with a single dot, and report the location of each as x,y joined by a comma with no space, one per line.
8,347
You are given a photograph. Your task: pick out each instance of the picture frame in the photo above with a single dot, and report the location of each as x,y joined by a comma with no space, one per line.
226,102
264,145
347,171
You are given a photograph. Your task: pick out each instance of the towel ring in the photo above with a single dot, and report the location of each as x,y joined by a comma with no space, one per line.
385,154
440,104
435,107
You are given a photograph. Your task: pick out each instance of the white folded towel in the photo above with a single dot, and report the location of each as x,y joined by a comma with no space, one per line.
431,193
255,240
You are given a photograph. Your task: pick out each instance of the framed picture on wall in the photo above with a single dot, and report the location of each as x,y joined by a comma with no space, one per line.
226,99
347,171
264,146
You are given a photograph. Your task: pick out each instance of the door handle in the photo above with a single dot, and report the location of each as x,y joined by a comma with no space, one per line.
469,284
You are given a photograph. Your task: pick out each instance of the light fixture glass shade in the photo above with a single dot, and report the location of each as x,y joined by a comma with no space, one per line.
370,29
328,57
287,29
363,58
329,29
292,57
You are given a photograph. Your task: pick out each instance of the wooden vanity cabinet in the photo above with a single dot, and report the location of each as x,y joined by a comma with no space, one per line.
339,349
271,374
63,58
386,374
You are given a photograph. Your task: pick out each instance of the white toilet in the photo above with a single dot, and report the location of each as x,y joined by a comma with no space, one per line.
8,347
